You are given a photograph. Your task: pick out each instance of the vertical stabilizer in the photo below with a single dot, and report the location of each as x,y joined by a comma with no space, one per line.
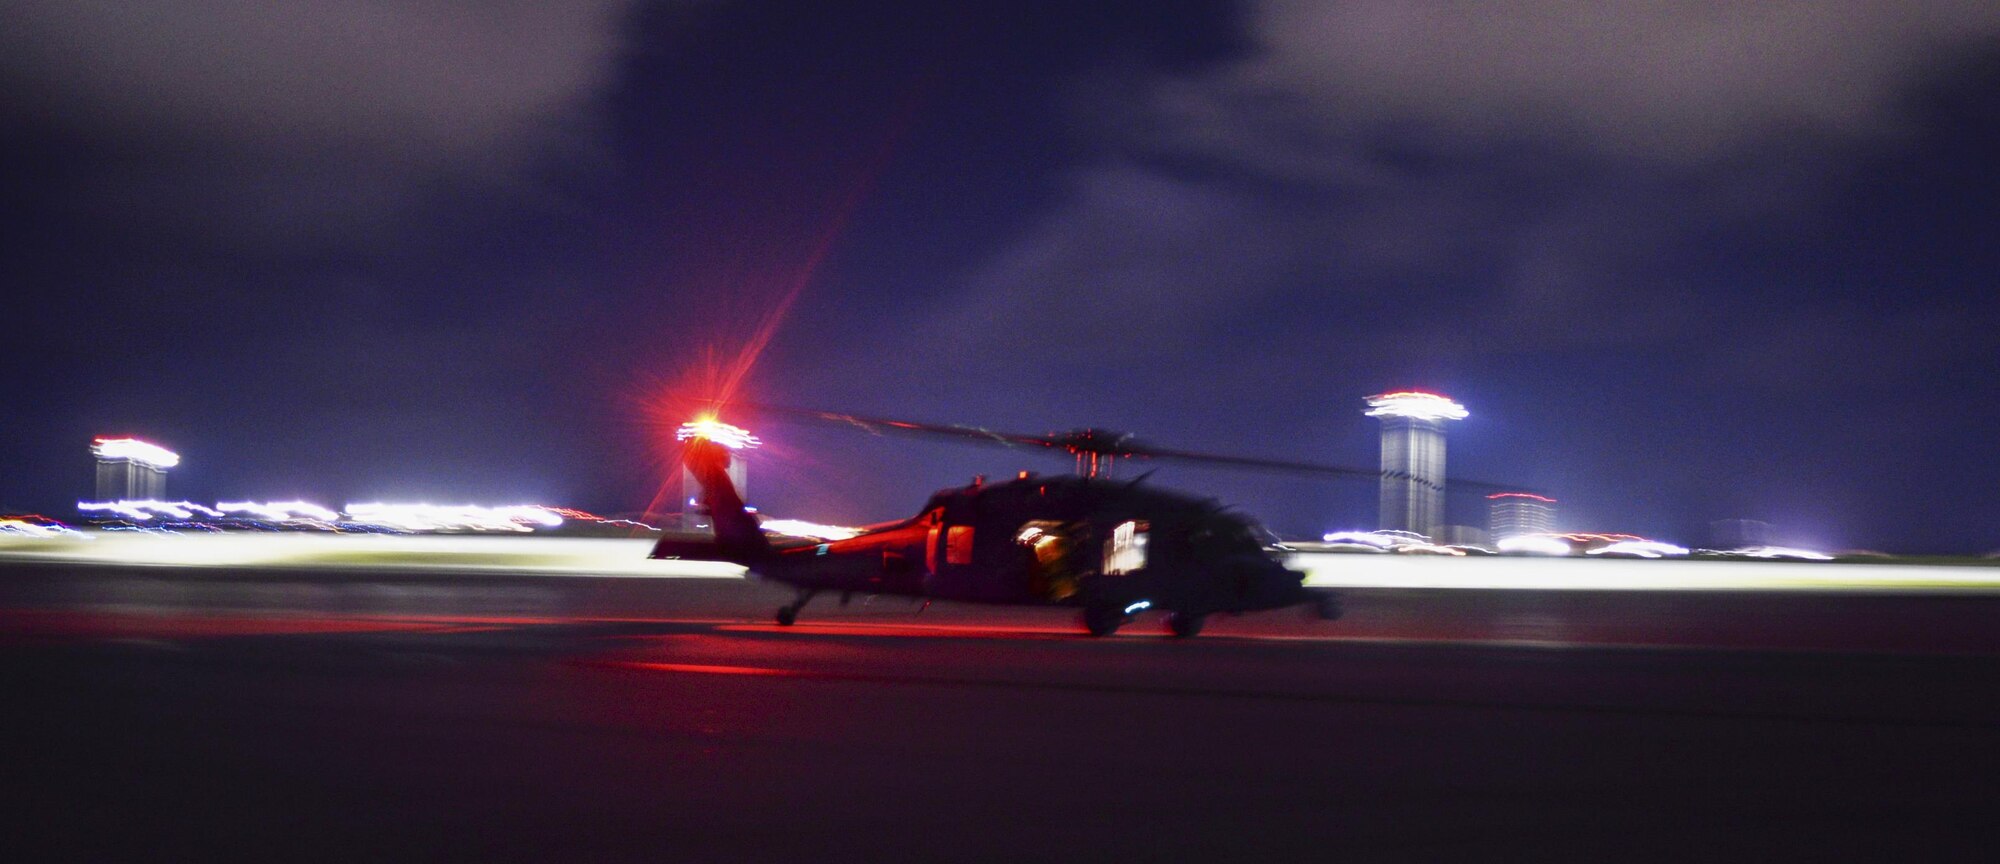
738,539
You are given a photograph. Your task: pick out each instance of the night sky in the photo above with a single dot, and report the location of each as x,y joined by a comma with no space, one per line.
1683,261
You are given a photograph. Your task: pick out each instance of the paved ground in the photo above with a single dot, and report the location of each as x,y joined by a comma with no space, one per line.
192,713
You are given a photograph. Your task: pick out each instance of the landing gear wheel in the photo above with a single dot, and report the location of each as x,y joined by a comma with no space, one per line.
1102,621
1184,624
787,615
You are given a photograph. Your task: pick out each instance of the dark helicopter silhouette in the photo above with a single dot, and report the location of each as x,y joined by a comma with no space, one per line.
1112,548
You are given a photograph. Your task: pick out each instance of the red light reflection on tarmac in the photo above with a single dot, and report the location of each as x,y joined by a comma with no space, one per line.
926,631
696,668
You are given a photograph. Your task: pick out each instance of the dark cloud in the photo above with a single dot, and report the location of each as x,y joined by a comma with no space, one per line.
1679,80
1638,219
279,119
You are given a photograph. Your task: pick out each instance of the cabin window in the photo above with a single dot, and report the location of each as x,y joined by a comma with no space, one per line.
1125,549
958,544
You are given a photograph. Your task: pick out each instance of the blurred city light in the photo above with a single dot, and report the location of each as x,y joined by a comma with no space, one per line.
278,511
1535,544
1640,549
1416,405
143,510
39,528
1781,552
453,517
135,450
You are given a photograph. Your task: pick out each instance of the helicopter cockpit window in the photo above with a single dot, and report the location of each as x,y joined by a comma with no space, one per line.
1125,549
958,544
1050,573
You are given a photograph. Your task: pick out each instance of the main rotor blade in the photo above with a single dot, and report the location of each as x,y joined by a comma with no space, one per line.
1255,463
881,425
1103,443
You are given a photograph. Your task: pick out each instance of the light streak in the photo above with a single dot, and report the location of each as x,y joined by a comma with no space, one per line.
279,511
39,530
801,528
1140,606
1781,552
143,510
711,429
1366,538
1588,537
1534,544
1641,549
1416,405
135,450
1526,495
1389,541
453,517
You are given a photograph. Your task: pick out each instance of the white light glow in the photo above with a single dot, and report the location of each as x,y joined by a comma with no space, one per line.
278,511
142,510
453,517
1782,552
732,437
1640,549
801,528
1427,549
135,450
39,531
1415,405
1534,544
1359,538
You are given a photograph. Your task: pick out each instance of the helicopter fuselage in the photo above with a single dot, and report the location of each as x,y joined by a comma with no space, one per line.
1113,548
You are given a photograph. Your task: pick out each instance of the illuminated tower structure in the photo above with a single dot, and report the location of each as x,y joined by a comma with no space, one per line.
1518,514
1413,458
129,469
694,515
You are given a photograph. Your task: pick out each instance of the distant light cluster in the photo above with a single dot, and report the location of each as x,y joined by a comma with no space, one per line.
1416,405
38,527
454,517
367,517
1534,544
278,511
1780,552
135,450
1640,549
146,510
1401,542
709,428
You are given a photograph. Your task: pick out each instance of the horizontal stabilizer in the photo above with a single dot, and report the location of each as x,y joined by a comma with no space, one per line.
703,550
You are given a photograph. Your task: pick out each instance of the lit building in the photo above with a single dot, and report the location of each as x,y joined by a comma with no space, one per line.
1413,458
1518,514
129,469
694,516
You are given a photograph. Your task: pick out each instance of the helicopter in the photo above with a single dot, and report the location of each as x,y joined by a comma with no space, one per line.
1111,548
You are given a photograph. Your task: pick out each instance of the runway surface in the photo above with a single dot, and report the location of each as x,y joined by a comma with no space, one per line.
157,713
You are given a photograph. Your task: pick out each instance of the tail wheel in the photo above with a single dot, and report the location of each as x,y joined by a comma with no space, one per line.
1184,624
1102,620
